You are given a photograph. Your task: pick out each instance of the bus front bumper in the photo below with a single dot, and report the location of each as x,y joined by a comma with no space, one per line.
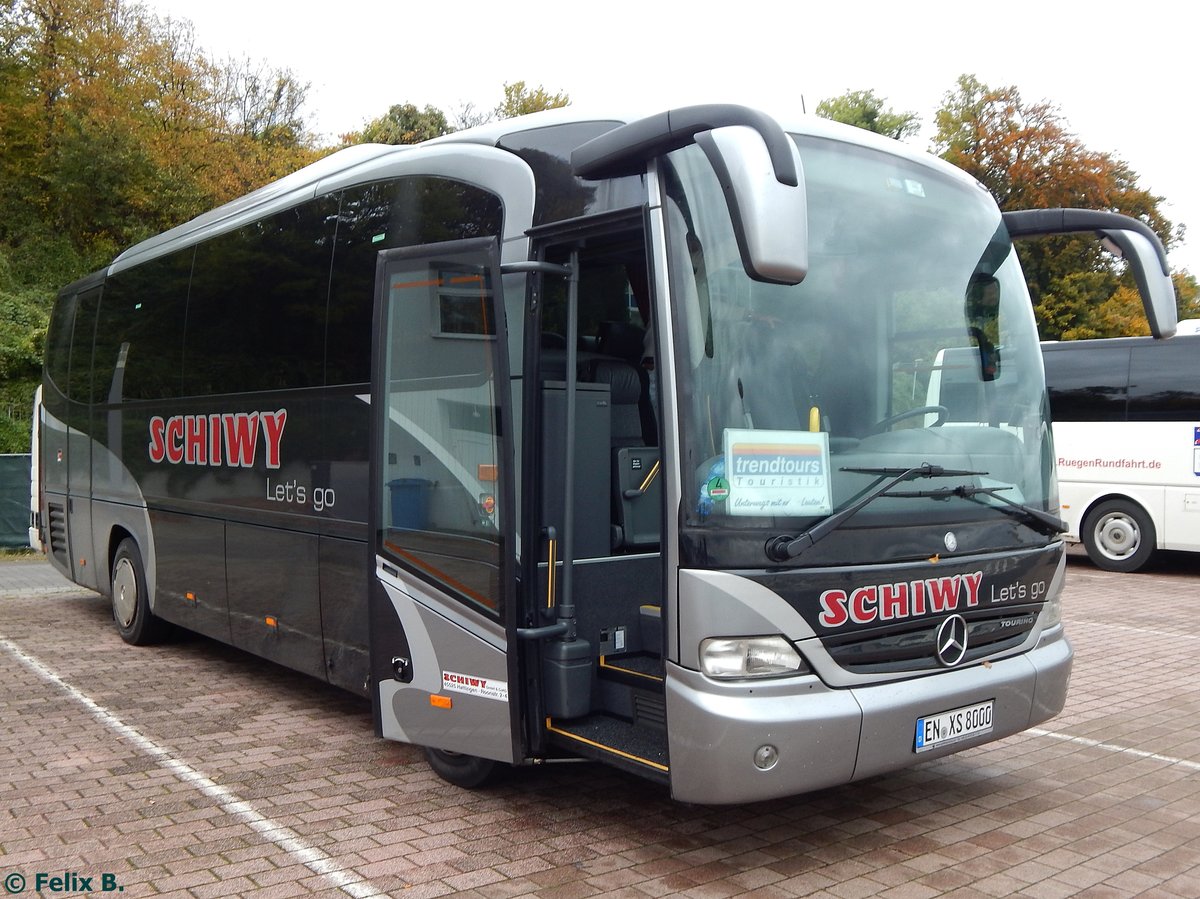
750,741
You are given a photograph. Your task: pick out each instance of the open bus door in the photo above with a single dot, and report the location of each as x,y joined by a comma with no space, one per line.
442,516
593,637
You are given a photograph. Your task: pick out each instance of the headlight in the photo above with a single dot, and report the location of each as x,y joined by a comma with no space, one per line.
737,657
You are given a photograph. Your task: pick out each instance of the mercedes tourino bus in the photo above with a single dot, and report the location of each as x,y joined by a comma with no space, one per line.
602,437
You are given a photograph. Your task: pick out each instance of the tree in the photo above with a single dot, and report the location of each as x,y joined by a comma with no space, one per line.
468,116
405,124
1187,295
863,109
25,313
520,100
1023,153
114,126
263,104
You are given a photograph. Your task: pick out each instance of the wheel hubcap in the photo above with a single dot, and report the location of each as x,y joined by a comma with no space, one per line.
124,593
1118,536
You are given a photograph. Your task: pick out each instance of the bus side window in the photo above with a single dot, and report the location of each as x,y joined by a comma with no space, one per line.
58,344
382,216
81,347
1164,381
1087,384
144,308
256,313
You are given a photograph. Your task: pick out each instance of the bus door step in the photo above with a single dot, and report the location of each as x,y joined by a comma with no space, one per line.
640,670
615,741
631,687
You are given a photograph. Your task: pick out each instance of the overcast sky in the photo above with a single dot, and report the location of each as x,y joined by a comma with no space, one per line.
1124,75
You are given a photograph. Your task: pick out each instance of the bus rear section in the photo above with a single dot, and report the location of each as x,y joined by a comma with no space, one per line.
1126,418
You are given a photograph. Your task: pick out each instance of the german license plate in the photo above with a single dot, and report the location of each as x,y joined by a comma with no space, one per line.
949,727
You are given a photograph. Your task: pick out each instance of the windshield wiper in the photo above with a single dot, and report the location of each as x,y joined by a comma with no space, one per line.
1042,522
785,547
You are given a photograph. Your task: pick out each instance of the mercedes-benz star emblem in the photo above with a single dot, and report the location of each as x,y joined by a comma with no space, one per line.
951,643
951,541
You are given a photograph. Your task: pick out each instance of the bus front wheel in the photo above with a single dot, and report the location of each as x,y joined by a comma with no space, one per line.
1119,536
131,604
467,771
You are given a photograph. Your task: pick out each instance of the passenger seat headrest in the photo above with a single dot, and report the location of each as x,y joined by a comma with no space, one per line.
625,387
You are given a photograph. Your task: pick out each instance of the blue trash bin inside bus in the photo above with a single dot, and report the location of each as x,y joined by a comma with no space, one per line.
410,503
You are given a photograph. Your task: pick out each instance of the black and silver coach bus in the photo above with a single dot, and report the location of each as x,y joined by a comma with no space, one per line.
576,436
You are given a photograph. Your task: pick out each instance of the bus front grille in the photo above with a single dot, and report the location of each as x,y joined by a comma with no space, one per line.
912,648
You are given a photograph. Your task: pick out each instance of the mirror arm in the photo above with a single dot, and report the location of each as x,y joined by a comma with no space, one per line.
1039,222
1125,237
626,149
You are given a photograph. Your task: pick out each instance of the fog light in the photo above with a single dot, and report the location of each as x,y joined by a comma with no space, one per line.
765,757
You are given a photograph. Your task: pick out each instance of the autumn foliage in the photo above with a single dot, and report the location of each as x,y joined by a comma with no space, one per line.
115,125
1024,155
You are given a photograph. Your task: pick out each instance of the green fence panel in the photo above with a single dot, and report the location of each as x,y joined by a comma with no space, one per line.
14,500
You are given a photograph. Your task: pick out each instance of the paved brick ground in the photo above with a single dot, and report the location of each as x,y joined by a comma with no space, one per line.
195,770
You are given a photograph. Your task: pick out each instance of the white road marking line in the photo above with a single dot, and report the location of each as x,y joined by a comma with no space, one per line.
284,837
1129,628
1113,747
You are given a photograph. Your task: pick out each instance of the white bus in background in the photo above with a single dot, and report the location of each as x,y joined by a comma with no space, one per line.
1126,416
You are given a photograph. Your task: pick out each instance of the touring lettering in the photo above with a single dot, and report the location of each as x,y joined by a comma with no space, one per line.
228,439
903,599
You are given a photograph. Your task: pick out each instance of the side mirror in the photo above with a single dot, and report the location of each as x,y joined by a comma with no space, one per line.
1153,280
769,216
755,161
983,309
1125,237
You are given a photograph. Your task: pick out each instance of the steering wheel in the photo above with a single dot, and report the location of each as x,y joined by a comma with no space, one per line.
886,423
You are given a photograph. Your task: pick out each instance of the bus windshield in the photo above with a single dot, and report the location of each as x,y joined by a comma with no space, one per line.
910,343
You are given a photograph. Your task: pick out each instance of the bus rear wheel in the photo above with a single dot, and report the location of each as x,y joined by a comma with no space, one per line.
135,622
466,771
1119,536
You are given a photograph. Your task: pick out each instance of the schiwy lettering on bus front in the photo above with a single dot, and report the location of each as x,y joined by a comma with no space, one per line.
928,596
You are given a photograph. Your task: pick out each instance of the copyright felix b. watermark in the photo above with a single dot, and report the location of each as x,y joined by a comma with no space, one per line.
66,883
